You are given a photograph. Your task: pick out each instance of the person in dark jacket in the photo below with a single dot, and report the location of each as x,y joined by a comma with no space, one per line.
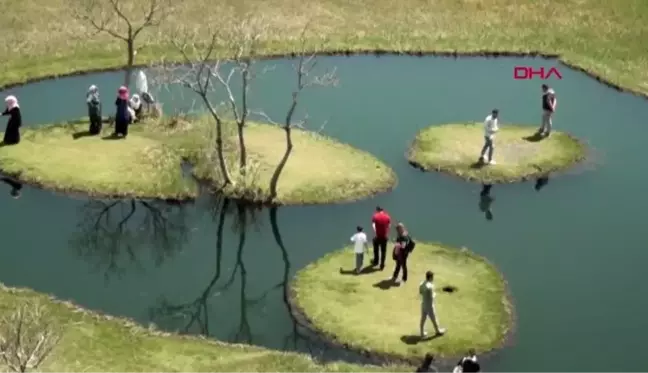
426,365
468,364
402,249
123,115
94,110
12,132
15,186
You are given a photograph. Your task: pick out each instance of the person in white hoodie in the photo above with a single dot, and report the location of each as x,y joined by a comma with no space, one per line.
490,128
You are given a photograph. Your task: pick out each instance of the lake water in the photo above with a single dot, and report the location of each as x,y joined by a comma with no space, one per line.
572,252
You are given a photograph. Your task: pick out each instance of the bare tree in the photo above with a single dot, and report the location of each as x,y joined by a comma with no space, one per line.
27,336
122,19
304,69
112,230
204,72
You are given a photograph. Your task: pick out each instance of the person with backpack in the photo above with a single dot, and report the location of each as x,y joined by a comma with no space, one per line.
403,248
428,310
468,364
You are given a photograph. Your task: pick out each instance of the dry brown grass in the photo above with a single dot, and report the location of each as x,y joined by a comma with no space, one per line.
605,37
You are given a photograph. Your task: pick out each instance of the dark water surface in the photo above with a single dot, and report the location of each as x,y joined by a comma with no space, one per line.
573,252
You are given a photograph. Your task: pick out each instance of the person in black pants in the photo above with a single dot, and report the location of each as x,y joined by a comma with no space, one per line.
381,222
404,245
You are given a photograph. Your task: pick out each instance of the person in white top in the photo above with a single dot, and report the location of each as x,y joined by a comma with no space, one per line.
490,128
426,290
359,248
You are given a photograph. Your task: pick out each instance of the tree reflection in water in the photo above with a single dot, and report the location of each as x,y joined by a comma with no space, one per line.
195,314
111,233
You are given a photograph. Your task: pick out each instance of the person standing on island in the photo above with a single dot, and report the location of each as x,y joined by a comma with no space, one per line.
94,110
549,103
381,223
123,115
426,290
426,365
359,240
404,246
468,364
12,132
490,128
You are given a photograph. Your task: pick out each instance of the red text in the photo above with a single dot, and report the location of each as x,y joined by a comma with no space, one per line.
528,72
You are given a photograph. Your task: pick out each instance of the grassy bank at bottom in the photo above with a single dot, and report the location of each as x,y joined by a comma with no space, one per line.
147,164
519,155
95,343
367,312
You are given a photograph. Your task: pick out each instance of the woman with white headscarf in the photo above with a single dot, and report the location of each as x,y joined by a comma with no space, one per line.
94,109
12,133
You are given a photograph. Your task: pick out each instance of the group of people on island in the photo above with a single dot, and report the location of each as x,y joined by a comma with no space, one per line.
491,127
403,247
128,110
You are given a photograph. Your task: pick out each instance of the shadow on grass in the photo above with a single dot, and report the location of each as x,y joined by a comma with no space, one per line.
415,339
81,134
534,138
365,271
113,137
477,165
386,284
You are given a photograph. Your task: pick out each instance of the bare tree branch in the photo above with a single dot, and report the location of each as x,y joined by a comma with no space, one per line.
121,19
27,336
305,78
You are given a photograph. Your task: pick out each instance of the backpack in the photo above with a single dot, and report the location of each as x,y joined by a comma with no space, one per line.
410,246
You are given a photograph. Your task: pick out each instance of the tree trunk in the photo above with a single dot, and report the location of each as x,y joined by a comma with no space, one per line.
131,60
242,150
277,172
227,179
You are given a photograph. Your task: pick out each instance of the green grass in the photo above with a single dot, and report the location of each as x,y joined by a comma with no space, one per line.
604,37
147,163
353,311
455,149
95,343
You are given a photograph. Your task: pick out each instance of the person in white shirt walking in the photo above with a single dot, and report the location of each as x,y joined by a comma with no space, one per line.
490,128
359,248
426,290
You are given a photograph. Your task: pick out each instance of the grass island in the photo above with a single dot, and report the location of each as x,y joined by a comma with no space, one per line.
382,319
520,155
148,163
111,344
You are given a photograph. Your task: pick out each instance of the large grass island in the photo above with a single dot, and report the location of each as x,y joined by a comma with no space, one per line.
368,313
147,164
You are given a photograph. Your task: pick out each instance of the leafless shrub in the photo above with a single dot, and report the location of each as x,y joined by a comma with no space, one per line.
27,336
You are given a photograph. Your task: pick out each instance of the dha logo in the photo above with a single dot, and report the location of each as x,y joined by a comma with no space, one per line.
528,72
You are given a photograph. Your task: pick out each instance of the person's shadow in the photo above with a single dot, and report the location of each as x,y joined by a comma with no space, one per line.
541,182
485,201
16,187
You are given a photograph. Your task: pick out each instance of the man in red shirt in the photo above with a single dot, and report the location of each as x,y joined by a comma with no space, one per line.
381,223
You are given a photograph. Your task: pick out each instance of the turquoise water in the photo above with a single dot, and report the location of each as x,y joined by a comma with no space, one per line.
573,252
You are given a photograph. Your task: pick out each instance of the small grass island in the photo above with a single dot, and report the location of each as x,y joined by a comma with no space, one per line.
368,313
148,163
520,154
97,343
